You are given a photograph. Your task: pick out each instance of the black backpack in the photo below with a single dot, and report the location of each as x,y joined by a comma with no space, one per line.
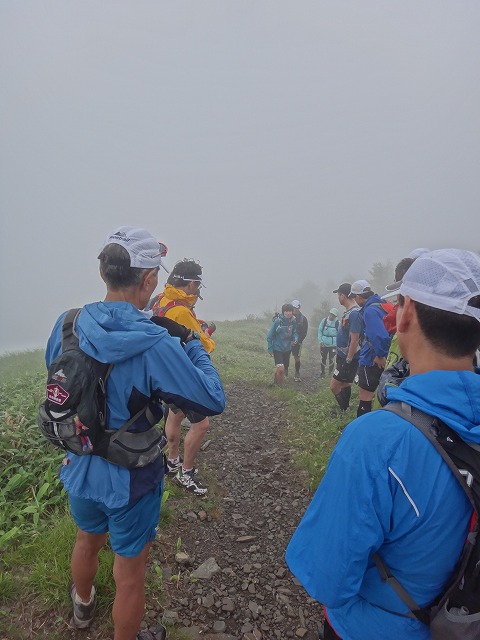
455,615
73,415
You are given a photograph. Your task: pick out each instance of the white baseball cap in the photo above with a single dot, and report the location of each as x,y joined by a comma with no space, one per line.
359,287
143,250
418,252
444,279
296,304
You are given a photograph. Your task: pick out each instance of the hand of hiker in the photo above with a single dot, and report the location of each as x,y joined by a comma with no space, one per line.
380,362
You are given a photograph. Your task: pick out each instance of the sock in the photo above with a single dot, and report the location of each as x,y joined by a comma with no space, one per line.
174,460
340,399
364,407
346,394
78,600
186,470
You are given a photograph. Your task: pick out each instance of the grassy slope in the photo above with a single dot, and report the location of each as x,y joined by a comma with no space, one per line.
32,501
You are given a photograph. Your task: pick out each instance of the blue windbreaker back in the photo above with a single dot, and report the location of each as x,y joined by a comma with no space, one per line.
387,489
148,363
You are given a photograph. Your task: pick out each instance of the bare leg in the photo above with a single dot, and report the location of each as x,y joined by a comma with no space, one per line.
193,442
129,603
173,427
84,562
279,374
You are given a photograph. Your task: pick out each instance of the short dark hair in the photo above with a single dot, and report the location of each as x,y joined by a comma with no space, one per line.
366,295
402,267
184,272
116,269
454,335
287,307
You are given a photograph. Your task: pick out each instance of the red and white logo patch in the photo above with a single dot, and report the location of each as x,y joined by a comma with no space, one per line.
56,394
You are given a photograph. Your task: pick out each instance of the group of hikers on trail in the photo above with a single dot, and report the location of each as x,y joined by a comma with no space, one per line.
383,535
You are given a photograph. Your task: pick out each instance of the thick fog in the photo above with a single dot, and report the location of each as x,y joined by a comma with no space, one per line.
277,142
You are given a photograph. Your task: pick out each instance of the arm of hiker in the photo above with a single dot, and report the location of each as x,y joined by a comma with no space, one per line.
345,523
270,336
320,331
295,336
186,377
353,345
175,329
305,330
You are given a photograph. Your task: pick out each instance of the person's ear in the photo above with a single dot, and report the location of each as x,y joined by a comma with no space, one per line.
150,279
405,315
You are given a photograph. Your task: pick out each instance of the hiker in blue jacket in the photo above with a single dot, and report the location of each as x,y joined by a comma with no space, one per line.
386,489
375,342
280,339
148,365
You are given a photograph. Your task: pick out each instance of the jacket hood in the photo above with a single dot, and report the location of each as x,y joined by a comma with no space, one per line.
172,293
454,394
116,331
373,299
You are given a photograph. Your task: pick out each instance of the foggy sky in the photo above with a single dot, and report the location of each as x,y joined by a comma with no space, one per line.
276,142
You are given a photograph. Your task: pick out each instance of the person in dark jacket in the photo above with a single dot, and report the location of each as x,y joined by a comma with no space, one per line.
302,330
148,365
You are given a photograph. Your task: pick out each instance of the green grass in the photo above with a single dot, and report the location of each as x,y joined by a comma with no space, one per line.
36,532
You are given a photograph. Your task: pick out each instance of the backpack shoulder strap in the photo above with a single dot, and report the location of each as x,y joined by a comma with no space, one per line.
70,339
69,335
161,311
427,425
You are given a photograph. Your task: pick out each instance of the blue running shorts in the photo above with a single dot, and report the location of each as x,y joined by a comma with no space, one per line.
130,527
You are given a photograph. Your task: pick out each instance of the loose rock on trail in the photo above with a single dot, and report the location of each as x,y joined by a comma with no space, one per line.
226,577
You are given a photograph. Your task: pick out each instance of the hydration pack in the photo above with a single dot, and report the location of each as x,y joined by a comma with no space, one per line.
73,415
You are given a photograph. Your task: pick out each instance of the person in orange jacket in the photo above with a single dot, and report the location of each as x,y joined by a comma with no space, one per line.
177,303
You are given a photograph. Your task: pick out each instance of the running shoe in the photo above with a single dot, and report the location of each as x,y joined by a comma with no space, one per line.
189,481
297,379
160,634
83,614
173,467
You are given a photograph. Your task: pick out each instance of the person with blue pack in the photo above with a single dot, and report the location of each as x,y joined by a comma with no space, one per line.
388,498
327,340
281,337
375,342
149,366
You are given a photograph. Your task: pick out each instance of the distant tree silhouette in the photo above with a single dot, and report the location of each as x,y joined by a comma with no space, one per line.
381,274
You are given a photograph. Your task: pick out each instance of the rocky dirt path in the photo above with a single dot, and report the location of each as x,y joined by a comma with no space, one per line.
230,581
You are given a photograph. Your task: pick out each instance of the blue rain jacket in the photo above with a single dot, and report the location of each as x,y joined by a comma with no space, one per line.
376,339
282,333
387,489
148,362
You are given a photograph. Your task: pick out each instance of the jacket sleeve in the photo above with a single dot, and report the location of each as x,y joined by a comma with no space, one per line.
295,332
270,336
184,316
344,524
305,329
376,333
186,377
320,330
